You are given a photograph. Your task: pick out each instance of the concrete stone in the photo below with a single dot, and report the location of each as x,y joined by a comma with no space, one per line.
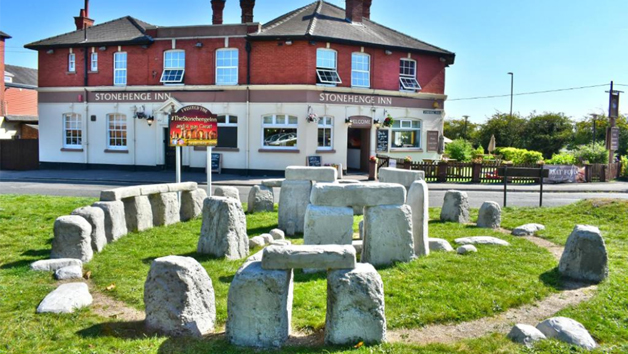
268,238
439,244
223,232
72,238
277,234
118,194
261,198
229,192
66,299
115,221
525,334
419,203
357,195
182,187
355,306
192,204
481,240
149,189
387,235
280,243
257,241
328,225
70,272
96,218
455,207
361,230
318,174
273,183
466,249
527,229
291,228
585,257
48,265
257,257
399,176
358,245
165,207
490,215
259,306
179,297
358,210
309,256
567,330
348,181
138,213
293,200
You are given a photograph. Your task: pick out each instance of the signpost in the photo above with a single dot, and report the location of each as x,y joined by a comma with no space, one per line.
539,173
194,126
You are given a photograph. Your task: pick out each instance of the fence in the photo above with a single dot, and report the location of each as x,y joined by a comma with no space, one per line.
19,154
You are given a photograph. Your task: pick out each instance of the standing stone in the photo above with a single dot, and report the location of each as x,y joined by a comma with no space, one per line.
223,233
328,225
567,330
72,238
66,299
525,334
261,198
361,230
96,218
115,222
277,234
490,215
585,257
387,235
399,176
192,204
455,207
355,306
229,192
165,208
259,306
138,213
293,200
179,297
419,203
439,244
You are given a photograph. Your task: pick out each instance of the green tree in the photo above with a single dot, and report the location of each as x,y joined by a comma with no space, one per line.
548,133
460,150
455,129
583,134
508,130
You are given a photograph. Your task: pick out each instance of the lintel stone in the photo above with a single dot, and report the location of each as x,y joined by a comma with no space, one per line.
309,256
357,195
318,174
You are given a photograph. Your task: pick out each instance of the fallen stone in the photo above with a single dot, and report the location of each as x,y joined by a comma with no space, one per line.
259,306
490,215
318,174
358,245
165,207
115,222
70,272
96,218
277,234
387,235
280,243
261,198
527,229
309,256
399,176
223,232
118,194
419,203
466,249
138,213
272,183
585,257
481,240
66,299
192,204
72,238
149,189
525,334
293,201
439,244
179,297
229,192
48,265
268,238
568,331
182,187
355,306
455,207
257,241
357,195
348,181
328,225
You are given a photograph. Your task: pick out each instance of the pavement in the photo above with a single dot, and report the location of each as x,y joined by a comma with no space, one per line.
149,177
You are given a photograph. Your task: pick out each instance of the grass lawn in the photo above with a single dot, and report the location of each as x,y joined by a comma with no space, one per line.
441,288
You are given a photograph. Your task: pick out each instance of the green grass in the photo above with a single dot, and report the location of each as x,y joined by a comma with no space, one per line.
441,288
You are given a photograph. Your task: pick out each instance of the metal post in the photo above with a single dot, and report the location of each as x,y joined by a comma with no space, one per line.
541,179
505,183
465,126
512,82
178,169
209,171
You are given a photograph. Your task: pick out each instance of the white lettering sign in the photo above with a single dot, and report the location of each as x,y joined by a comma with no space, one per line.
132,96
356,99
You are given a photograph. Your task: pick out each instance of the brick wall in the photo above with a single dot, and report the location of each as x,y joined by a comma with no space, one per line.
21,102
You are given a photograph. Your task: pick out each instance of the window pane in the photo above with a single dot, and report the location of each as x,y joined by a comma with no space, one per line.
326,58
233,120
324,137
268,120
407,68
280,137
222,119
228,137
293,120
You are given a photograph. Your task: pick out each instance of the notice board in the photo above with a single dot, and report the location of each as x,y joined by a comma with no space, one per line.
382,140
217,163
432,140
314,161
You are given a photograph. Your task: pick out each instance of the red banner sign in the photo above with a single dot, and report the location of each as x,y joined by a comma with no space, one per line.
193,126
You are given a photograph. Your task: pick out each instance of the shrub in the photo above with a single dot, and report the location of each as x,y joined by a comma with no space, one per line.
460,150
519,156
564,158
595,153
624,166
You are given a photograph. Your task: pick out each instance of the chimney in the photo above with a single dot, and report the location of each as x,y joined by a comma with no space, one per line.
366,9
247,10
83,21
354,10
217,7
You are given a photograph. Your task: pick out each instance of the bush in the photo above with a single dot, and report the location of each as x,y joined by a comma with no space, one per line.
519,156
624,166
564,158
460,150
596,153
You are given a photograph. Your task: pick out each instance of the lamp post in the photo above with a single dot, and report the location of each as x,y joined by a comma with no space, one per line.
594,116
465,126
512,81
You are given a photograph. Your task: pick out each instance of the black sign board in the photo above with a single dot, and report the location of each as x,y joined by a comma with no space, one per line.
432,140
382,140
314,161
614,104
612,142
217,163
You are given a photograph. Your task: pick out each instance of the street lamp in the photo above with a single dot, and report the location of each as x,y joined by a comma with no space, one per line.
465,126
512,80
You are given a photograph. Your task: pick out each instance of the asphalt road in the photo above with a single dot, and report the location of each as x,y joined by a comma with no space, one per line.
436,197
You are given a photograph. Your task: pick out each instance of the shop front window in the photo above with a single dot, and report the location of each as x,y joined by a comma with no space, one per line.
406,134
279,131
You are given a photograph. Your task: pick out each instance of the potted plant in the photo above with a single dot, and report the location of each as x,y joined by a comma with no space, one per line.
311,118
388,121
372,168
407,161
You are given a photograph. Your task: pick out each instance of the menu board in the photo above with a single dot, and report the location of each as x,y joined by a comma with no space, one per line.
432,140
216,163
314,161
382,140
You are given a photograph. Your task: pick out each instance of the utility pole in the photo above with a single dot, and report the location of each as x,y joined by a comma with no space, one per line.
465,126
612,135
512,81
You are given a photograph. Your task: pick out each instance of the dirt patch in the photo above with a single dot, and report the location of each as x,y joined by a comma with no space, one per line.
555,250
106,306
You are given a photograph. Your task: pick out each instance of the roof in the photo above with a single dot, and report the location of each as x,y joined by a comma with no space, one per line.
123,31
4,35
24,77
15,118
324,21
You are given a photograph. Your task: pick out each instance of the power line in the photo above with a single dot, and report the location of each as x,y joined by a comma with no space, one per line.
528,93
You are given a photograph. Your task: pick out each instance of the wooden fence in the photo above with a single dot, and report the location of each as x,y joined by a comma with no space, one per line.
19,154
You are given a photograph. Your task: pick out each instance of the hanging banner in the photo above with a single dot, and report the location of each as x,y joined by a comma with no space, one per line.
193,126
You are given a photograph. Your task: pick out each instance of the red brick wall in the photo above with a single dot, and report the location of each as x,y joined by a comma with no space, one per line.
21,102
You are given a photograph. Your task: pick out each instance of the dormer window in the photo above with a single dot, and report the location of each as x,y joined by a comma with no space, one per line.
326,67
71,63
407,76
174,67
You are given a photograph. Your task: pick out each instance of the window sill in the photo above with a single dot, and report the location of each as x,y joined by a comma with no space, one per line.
285,151
406,150
325,151
71,73
111,151
216,149
92,72
72,149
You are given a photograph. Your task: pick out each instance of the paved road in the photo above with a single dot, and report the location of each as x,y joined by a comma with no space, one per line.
476,198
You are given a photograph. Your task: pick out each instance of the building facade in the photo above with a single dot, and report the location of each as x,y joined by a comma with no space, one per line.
318,81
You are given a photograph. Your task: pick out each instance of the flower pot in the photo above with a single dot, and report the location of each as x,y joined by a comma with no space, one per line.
372,170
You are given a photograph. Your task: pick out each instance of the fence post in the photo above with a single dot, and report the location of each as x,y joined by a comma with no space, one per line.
476,172
588,174
442,171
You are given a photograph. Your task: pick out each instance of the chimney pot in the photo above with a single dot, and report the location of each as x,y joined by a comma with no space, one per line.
354,10
366,9
217,7
247,10
82,21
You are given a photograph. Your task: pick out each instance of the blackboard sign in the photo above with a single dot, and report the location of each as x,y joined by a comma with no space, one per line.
314,161
382,140
217,163
432,140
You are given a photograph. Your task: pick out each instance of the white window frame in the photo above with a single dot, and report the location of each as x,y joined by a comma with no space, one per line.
76,125
408,76
93,62
173,66
119,118
322,124
405,124
327,68
229,67
121,70
280,121
72,63
368,71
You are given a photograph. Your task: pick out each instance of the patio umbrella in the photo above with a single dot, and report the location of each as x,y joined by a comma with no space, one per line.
491,144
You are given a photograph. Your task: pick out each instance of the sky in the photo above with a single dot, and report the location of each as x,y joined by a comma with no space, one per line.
547,45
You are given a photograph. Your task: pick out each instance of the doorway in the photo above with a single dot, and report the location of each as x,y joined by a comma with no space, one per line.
358,147
170,157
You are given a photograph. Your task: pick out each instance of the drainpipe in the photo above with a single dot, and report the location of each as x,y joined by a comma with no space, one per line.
248,107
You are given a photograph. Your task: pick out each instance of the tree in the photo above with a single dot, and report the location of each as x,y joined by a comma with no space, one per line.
584,132
455,129
508,130
460,150
548,133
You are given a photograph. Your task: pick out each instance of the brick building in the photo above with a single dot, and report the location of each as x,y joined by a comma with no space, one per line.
99,83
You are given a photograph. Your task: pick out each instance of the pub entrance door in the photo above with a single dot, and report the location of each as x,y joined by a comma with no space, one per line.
359,143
